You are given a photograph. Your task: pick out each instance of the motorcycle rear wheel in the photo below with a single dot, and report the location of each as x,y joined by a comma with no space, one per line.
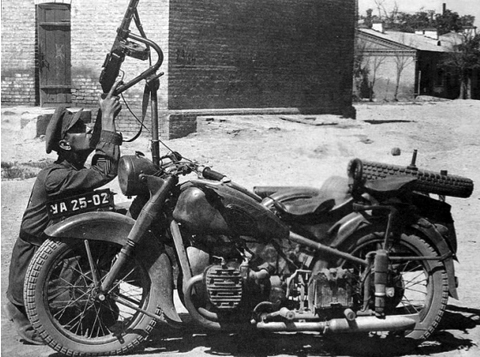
71,316
421,286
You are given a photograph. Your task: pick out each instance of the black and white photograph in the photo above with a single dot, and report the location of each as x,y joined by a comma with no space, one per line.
240,178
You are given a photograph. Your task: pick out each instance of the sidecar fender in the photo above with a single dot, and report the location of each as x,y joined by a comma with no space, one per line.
349,224
114,227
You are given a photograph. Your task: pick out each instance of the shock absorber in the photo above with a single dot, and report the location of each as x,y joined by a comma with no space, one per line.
380,281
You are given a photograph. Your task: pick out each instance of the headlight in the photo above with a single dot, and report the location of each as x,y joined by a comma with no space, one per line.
129,169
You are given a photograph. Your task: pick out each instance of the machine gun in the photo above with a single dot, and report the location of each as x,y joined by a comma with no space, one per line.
128,44
122,47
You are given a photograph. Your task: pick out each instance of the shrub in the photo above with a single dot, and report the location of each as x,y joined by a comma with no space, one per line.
22,171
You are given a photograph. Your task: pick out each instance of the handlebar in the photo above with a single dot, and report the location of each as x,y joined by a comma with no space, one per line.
177,166
185,167
210,174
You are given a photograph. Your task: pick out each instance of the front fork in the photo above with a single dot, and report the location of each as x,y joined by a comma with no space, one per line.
159,189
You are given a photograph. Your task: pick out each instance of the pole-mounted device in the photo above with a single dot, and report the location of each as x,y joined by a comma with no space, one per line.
138,47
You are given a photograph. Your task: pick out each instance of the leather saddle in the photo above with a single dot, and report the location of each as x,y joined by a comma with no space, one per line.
299,203
389,187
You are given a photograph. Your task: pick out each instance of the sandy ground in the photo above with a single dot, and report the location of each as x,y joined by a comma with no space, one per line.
268,150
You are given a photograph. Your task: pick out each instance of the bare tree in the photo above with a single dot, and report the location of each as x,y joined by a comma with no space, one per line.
368,64
393,15
382,12
402,61
375,62
359,69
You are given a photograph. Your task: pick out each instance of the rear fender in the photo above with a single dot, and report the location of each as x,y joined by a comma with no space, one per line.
347,226
440,243
114,227
351,223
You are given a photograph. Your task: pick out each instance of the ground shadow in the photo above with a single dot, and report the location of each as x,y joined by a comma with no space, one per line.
262,344
388,121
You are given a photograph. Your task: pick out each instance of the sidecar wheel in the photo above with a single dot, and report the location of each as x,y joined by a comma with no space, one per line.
71,315
420,286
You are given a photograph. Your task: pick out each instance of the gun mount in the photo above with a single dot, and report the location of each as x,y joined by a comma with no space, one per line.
138,47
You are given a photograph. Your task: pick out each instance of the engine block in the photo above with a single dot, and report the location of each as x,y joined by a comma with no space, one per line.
332,288
224,286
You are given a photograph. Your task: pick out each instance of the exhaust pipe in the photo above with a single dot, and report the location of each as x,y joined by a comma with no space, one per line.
341,325
360,324
194,313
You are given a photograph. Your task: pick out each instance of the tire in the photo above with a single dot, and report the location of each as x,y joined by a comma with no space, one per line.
61,303
420,288
427,181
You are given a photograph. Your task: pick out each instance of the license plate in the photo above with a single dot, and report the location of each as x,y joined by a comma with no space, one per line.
89,201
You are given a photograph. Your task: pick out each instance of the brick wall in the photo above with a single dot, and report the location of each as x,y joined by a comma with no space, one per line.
18,52
270,53
218,54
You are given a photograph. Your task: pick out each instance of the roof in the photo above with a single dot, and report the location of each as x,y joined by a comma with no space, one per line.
411,40
451,39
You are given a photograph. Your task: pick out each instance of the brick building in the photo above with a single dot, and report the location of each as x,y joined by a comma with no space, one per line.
235,56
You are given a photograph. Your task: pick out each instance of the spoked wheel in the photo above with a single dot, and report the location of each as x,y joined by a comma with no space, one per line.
65,305
415,287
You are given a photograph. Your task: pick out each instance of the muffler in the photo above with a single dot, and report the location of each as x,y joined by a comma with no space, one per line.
342,325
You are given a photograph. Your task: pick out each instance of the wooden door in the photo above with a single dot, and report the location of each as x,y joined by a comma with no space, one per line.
54,61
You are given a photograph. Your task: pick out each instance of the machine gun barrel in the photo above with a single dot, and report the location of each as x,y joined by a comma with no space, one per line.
123,30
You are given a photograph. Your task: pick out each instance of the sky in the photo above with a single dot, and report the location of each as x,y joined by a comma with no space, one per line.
462,7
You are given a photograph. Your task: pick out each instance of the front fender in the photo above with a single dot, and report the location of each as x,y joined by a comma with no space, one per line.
114,227
105,226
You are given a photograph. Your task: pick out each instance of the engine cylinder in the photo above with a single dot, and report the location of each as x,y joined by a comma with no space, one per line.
224,286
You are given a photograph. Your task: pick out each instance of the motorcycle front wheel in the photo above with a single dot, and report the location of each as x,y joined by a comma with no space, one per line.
72,315
415,287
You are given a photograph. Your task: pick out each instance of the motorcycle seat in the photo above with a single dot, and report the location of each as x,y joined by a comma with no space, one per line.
266,191
299,203
389,186
315,206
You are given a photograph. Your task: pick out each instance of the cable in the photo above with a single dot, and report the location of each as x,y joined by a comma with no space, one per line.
143,125
136,118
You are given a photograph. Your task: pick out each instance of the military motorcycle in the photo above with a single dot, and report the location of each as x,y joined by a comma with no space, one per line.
372,253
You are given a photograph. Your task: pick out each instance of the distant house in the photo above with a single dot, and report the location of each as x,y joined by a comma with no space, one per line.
219,56
402,65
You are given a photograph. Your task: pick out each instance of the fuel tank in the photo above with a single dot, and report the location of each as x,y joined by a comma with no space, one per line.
205,207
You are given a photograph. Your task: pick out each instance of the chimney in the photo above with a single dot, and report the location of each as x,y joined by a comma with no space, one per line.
378,26
444,8
431,33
